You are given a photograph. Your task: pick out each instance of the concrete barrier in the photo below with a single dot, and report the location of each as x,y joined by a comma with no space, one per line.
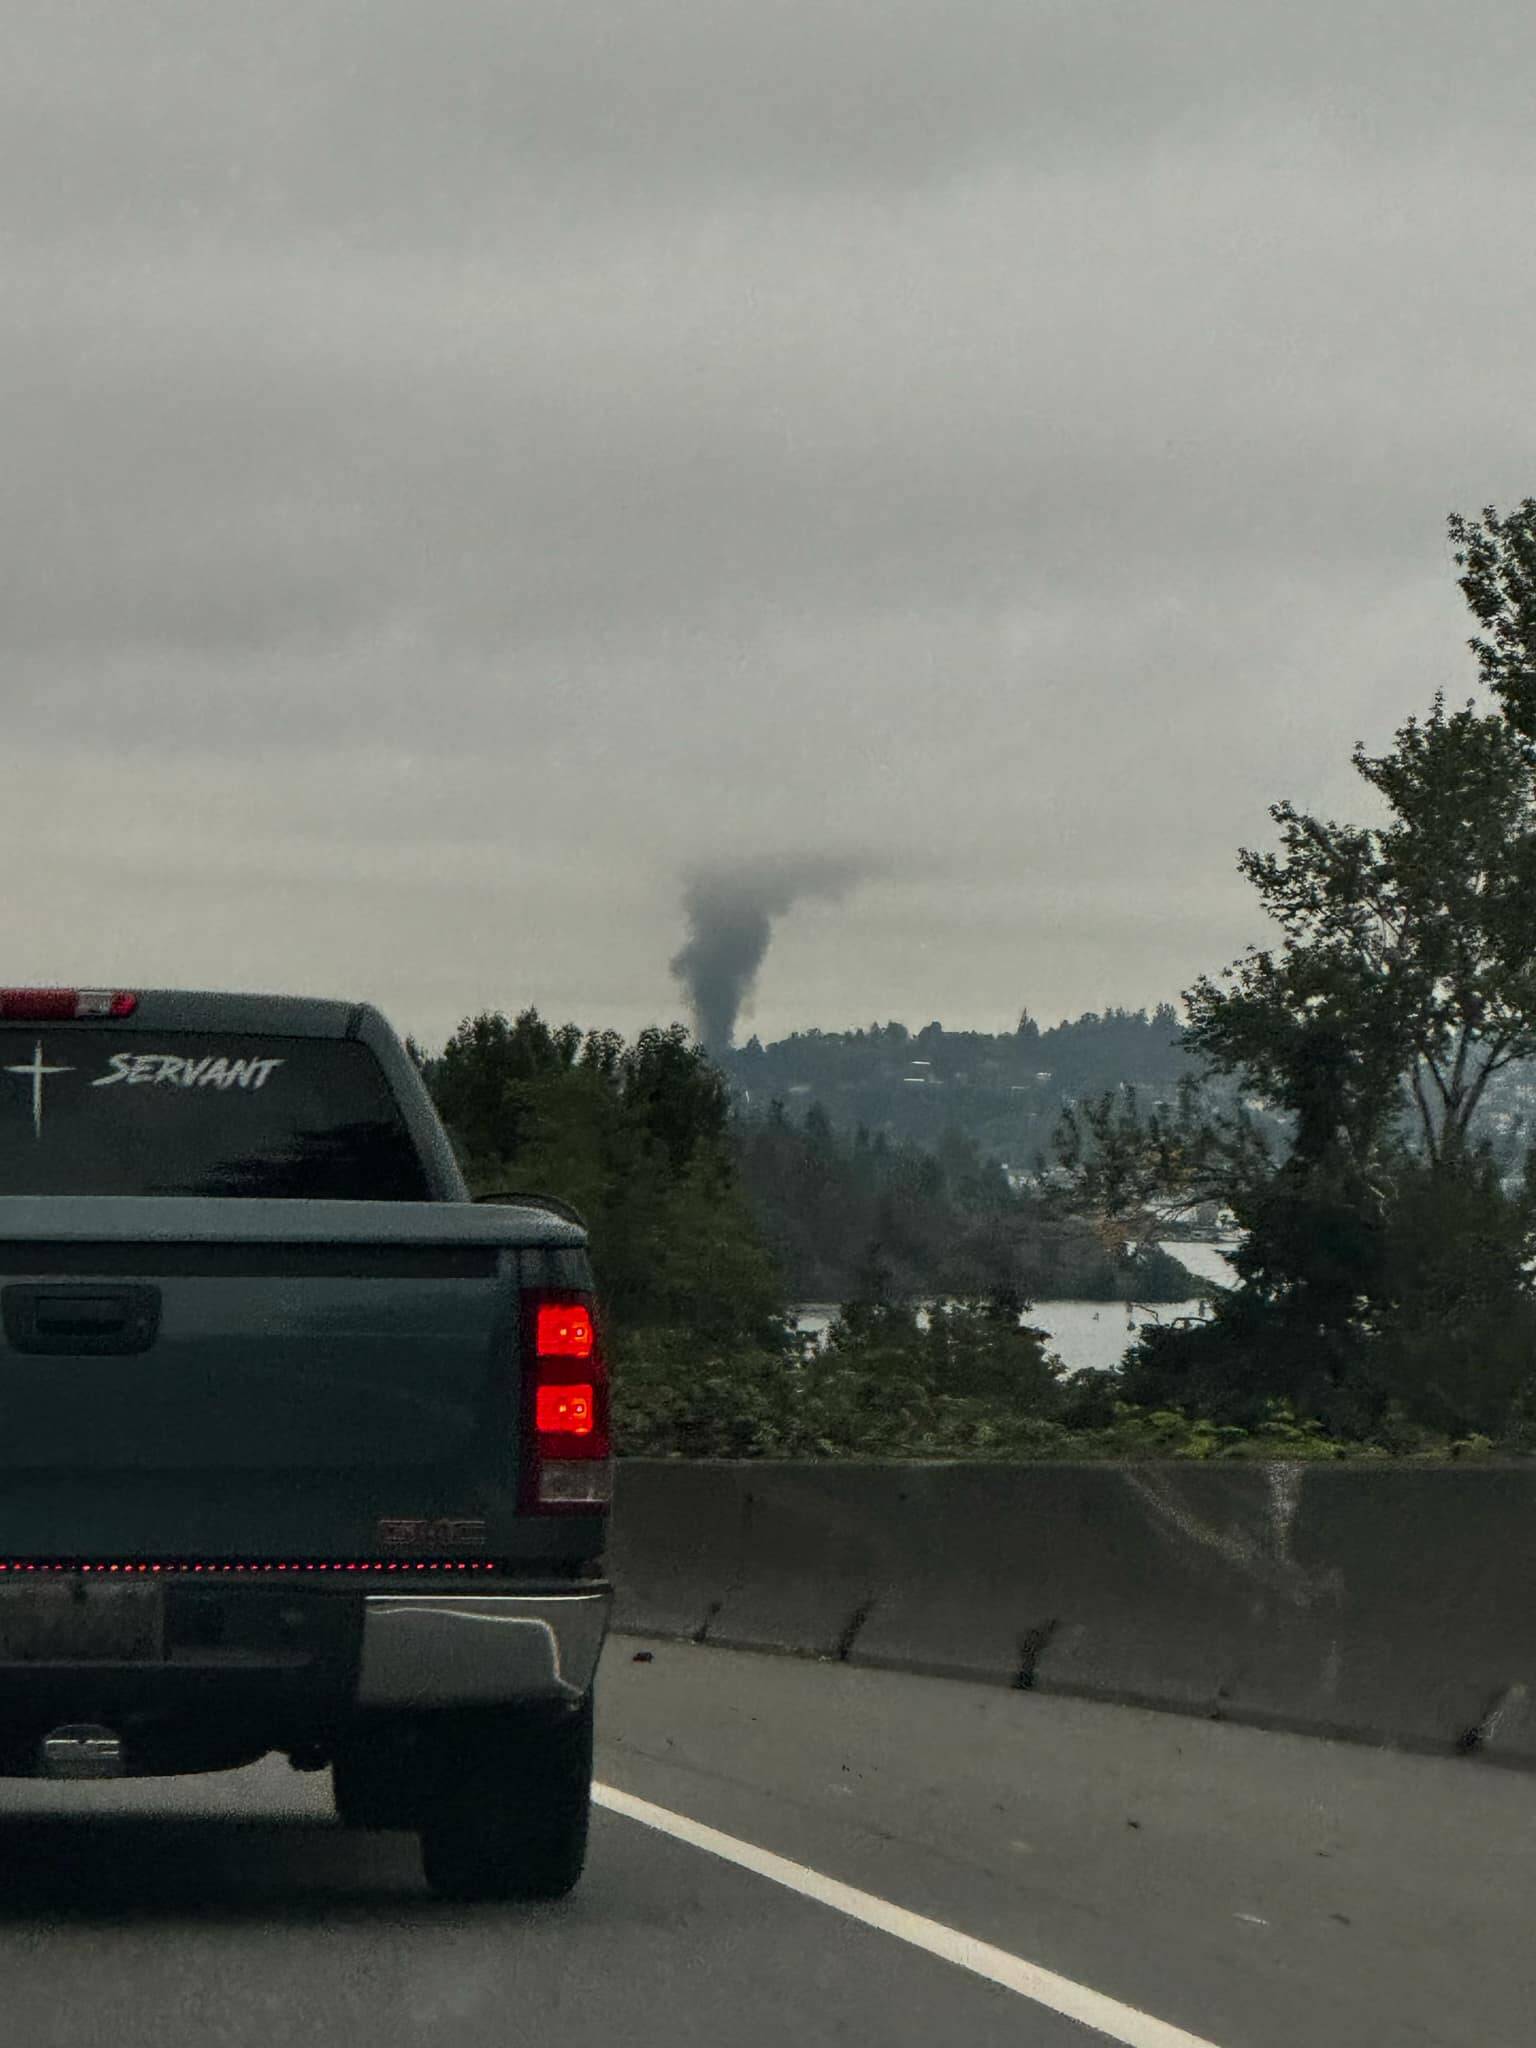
816,1554
1436,1636
1067,1578
677,1544
1387,1604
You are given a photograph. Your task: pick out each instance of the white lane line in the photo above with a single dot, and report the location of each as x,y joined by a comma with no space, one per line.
1117,2022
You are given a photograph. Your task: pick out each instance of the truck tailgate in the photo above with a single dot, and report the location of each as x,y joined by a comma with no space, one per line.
212,1373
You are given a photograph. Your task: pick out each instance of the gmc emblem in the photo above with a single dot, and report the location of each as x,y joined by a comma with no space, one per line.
417,1533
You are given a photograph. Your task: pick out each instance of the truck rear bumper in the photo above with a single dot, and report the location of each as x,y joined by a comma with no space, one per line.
422,1650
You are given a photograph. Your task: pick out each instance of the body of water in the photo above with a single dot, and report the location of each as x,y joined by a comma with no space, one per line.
1087,1336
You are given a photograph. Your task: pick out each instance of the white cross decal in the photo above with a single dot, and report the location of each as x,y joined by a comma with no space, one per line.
37,1070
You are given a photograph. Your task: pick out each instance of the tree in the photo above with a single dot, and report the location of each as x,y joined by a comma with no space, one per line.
1113,1165
1454,1325
496,1086
1404,983
675,1093
1407,975
1414,947
818,1133
476,1084
1499,557
636,1137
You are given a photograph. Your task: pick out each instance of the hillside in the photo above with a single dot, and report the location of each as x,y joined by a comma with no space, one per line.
1003,1091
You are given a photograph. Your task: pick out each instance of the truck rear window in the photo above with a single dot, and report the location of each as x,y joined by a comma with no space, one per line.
114,1112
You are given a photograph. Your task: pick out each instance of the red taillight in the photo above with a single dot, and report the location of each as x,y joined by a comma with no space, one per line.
566,1411
567,1449
64,1005
564,1330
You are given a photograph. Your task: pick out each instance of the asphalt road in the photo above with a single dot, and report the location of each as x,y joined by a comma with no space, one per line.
1252,1890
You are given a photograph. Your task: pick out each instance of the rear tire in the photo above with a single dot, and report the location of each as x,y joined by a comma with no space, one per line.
507,1814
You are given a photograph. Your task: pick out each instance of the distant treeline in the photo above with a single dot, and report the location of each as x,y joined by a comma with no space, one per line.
718,1219
1002,1090
858,1215
705,1226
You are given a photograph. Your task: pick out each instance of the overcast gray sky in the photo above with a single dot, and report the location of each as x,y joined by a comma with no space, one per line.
467,465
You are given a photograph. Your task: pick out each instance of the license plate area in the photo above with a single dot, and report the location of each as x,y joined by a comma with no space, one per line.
80,1620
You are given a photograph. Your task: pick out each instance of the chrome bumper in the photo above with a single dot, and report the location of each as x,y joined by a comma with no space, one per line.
480,1650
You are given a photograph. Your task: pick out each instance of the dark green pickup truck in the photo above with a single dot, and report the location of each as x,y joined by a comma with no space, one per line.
300,1449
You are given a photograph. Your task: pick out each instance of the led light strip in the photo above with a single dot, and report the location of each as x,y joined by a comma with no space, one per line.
220,1566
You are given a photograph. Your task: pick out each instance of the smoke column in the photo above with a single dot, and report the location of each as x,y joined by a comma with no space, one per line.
730,921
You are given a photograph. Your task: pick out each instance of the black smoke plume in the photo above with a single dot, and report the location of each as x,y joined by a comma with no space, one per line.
730,911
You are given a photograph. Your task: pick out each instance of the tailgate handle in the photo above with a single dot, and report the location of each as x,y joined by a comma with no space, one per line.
81,1322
